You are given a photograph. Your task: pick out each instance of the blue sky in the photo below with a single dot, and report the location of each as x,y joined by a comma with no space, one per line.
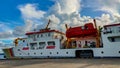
14,13
10,12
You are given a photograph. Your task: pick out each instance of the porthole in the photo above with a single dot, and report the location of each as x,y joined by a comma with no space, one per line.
19,53
119,52
18,49
34,53
41,53
66,52
102,52
50,52
23,40
57,52
4,56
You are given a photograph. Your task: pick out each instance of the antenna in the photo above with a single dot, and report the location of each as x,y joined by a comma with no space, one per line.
48,24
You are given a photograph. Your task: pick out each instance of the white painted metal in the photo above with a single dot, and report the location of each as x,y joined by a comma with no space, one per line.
109,49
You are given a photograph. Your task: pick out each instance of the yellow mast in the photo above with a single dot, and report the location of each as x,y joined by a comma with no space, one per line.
68,39
98,35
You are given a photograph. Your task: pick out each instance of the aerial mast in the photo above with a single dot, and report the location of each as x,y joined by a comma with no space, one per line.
97,35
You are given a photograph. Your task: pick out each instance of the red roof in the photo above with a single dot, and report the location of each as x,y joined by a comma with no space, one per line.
80,32
43,31
112,25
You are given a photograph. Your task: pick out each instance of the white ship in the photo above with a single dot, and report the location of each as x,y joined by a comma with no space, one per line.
81,41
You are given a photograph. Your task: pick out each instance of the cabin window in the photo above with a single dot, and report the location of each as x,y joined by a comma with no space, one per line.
33,46
27,44
51,43
41,35
74,44
114,39
38,36
119,29
41,45
48,34
107,30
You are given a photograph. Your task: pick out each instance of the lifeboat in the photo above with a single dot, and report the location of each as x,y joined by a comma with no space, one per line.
81,31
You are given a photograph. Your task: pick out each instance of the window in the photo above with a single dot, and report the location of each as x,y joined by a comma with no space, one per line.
114,39
74,45
119,29
41,45
51,43
48,34
38,36
27,44
41,35
33,46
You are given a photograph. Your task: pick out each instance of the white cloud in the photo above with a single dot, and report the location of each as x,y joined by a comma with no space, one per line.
4,27
109,6
67,6
105,19
31,15
7,34
64,12
30,11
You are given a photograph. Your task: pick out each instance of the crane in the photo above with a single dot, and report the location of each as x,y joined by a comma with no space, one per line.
16,41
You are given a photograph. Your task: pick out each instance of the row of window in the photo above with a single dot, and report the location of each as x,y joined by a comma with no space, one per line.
39,35
109,30
41,45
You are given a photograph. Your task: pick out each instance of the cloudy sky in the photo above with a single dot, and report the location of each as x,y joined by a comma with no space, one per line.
20,16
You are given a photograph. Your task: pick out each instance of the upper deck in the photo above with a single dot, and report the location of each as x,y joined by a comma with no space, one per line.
45,34
112,29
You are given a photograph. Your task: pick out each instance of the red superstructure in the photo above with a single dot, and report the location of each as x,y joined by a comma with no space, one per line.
81,31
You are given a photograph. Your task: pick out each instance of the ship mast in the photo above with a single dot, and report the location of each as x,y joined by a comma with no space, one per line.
48,24
97,35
